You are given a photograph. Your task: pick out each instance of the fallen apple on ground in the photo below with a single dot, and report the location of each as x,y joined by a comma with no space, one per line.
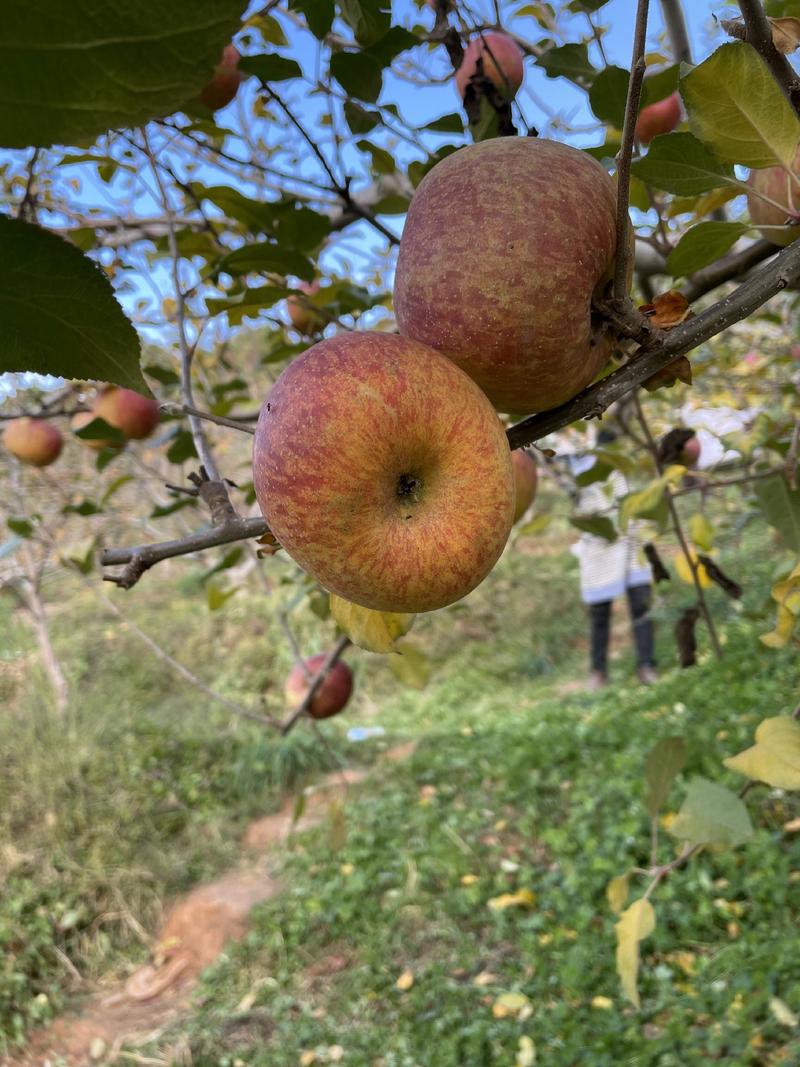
384,472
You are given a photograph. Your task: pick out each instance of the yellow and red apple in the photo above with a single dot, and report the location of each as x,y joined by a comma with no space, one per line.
505,245
384,472
136,416
33,441
224,85
501,63
526,478
783,189
658,118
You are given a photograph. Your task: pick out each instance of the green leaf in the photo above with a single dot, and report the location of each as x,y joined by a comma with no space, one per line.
678,163
182,448
162,510
665,760
389,46
86,507
648,503
59,312
410,665
115,485
161,374
270,68
79,555
360,119
217,597
701,245
359,74
780,506
104,66
659,86
22,527
711,815
598,525
608,94
250,302
368,19
736,108
446,124
266,257
568,61
100,430
382,161
318,14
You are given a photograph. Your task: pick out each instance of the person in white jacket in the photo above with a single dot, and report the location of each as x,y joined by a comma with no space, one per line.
609,569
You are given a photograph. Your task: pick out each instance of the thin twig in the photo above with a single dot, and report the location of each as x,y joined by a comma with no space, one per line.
332,658
624,244
675,25
721,483
142,557
678,528
27,206
758,33
219,420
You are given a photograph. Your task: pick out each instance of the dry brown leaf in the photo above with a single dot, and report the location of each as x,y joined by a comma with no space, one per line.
785,34
667,309
679,370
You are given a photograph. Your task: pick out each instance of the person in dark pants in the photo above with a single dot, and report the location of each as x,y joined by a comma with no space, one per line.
607,570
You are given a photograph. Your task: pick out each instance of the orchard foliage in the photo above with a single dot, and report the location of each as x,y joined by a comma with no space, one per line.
188,236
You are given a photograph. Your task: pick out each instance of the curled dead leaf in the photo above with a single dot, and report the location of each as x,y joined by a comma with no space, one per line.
679,370
785,32
667,310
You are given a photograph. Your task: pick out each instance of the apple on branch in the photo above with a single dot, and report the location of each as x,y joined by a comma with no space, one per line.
658,118
33,441
501,63
526,478
519,232
223,87
384,472
333,692
783,188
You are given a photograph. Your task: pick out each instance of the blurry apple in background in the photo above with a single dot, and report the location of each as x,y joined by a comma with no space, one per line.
305,318
33,441
502,63
691,452
222,88
135,415
658,118
505,245
777,184
333,693
526,478
384,472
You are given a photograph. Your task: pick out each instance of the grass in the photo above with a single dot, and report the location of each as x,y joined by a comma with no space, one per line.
147,788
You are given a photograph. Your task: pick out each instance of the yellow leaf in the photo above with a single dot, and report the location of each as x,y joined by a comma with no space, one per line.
775,757
511,1005
701,532
783,1013
684,570
347,869
784,626
792,826
469,879
523,898
308,1058
526,1052
605,1003
635,924
785,33
617,892
335,1053
375,631
484,978
410,665
405,981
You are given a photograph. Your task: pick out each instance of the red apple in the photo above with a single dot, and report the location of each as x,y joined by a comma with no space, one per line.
332,695
135,415
691,452
384,472
504,246
224,85
305,318
783,188
33,441
502,63
526,477
661,117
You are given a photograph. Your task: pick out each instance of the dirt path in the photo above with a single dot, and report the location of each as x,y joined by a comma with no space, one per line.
193,935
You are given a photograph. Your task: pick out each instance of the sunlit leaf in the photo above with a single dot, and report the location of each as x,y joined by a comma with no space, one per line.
635,924
775,757
410,665
375,631
701,531
736,108
678,163
617,892
684,570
